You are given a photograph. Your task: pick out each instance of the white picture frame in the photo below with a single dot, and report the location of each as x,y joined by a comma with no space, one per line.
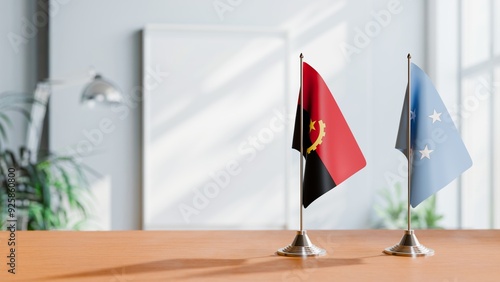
216,127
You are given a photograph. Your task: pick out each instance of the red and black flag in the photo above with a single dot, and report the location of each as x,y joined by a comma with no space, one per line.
332,154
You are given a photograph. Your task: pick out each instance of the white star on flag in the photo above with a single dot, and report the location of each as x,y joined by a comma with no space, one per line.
412,115
426,153
435,116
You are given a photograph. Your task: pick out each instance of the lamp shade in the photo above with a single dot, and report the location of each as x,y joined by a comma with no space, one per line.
102,91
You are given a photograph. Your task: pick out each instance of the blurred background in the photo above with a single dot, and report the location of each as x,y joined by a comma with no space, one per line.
191,127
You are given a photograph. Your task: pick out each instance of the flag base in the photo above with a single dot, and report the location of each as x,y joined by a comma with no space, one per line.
409,247
301,247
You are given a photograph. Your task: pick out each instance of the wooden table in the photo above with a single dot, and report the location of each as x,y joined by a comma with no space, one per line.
356,255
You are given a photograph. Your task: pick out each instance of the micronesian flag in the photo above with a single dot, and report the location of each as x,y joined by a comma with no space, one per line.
332,154
438,154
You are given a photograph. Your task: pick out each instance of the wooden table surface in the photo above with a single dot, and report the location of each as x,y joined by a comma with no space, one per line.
354,255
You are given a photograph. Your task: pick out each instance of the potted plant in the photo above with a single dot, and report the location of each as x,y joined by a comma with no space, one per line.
49,193
393,213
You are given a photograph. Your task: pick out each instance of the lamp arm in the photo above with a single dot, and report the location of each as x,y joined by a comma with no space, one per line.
38,111
44,90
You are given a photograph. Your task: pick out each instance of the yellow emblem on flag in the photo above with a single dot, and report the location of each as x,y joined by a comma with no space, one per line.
321,134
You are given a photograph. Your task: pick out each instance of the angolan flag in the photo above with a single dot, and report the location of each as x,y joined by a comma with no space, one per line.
332,154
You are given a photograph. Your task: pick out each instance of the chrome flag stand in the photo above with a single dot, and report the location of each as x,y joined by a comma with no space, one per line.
301,245
409,245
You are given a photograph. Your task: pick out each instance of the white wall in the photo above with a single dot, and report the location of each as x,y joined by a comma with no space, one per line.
17,57
368,86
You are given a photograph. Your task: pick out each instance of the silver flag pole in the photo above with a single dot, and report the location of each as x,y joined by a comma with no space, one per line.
409,246
301,245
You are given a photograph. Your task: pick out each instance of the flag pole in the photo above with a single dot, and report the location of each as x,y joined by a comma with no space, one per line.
409,246
301,204
408,140
301,245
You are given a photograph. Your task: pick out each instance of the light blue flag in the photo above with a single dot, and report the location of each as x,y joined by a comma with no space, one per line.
438,152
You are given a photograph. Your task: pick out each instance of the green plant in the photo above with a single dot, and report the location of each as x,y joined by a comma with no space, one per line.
53,191
393,213
47,189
